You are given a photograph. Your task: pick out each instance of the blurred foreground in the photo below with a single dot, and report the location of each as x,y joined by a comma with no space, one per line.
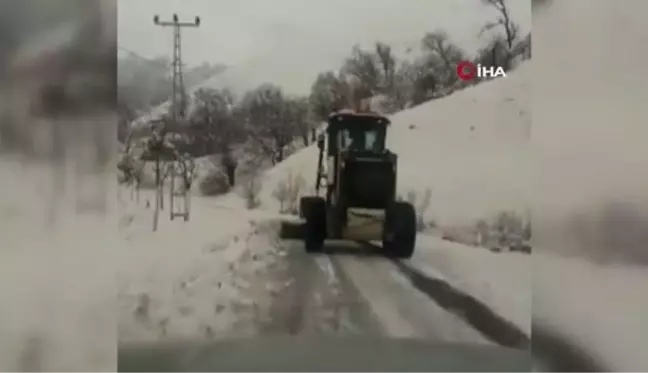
590,210
57,133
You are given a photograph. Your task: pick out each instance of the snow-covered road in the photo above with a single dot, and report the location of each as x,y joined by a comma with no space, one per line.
223,274
188,282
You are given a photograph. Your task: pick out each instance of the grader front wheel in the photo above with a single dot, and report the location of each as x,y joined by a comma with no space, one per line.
399,234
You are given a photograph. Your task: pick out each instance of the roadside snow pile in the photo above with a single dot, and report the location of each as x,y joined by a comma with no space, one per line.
503,282
192,280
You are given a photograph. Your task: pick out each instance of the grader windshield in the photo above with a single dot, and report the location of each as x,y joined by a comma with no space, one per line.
366,140
357,132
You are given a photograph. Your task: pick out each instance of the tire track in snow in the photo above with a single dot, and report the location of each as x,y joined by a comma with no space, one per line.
470,309
402,310
356,313
318,300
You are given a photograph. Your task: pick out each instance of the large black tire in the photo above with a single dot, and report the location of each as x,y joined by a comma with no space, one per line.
399,236
314,210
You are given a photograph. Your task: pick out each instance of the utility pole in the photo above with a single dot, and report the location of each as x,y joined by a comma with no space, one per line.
178,101
178,95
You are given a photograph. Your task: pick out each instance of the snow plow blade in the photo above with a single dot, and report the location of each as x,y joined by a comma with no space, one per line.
291,230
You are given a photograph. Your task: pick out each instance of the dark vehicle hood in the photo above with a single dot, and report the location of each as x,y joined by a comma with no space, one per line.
319,353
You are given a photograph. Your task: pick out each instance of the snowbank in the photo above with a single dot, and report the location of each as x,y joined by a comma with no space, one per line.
190,280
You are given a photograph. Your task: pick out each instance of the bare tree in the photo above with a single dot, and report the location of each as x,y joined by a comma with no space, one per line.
364,72
388,63
329,92
523,48
403,88
267,121
494,53
502,47
297,114
442,56
215,127
212,121
425,84
322,98
511,29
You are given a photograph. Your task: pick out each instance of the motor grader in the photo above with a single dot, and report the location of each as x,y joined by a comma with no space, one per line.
357,175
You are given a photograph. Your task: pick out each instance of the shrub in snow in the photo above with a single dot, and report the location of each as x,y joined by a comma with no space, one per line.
288,192
214,183
506,230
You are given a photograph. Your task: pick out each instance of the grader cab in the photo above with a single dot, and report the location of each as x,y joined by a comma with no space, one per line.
356,174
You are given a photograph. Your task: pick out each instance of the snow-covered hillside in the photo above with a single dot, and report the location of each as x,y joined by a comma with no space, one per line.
471,149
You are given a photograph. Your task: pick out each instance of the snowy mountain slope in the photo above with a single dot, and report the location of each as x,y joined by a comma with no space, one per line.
158,111
471,149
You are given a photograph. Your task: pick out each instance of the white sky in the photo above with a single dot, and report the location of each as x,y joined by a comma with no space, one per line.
288,42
